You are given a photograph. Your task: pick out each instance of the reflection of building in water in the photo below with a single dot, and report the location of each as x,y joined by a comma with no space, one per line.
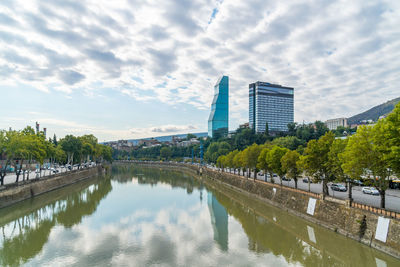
219,221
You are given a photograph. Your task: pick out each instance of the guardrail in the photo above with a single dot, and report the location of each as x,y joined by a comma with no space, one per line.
380,211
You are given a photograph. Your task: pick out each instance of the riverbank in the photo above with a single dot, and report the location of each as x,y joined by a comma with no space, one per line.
334,214
14,193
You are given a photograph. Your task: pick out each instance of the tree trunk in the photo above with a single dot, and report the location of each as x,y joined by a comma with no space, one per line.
382,193
350,188
254,179
280,178
295,182
309,184
18,172
325,190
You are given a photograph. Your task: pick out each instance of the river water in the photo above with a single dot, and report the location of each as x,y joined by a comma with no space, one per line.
154,217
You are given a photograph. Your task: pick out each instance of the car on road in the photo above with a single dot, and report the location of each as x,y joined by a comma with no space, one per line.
306,180
358,183
370,191
338,187
284,178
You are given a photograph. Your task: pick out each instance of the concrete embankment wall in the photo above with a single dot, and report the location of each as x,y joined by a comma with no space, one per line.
14,193
331,213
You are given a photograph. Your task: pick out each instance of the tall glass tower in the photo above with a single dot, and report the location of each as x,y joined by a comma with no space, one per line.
219,116
272,104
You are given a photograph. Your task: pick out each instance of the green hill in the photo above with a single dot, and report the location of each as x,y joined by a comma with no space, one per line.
375,112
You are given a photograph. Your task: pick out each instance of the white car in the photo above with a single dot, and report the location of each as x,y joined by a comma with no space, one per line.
370,191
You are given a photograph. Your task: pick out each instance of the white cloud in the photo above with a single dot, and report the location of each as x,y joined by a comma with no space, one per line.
331,52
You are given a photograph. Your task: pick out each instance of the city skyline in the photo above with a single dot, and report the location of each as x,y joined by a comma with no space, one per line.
129,70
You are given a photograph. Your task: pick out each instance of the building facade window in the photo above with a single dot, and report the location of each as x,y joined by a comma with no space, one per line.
272,104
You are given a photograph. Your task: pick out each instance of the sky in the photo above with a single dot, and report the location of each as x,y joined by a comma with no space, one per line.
127,69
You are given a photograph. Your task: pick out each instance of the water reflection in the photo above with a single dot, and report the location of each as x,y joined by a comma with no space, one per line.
26,226
145,216
219,221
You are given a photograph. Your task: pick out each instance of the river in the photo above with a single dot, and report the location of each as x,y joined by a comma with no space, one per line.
155,217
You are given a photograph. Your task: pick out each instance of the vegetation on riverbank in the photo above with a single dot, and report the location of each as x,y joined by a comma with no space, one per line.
22,148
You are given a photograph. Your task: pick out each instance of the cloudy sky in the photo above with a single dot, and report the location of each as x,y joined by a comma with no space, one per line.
131,68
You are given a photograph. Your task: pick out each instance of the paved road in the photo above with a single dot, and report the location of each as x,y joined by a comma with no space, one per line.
11,177
392,195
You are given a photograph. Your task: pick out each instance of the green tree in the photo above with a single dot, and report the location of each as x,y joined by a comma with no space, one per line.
315,160
238,161
215,150
262,161
55,142
335,162
290,142
229,160
291,166
250,159
363,156
387,138
72,146
165,153
273,159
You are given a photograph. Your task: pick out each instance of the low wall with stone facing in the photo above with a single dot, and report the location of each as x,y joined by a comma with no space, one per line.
14,193
331,213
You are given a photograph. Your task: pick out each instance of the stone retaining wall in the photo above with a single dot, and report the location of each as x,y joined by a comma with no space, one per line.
331,213
14,193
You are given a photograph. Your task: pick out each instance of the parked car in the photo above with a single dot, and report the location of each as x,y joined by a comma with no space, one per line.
306,180
338,187
286,179
358,183
370,191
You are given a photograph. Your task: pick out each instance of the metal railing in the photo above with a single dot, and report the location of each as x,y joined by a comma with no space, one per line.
375,210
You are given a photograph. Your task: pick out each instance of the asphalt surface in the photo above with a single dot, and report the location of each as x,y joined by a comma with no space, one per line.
392,195
11,177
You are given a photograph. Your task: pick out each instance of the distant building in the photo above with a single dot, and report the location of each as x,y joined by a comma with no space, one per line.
244,126
334,123
190,142
149,142
272,104
219,117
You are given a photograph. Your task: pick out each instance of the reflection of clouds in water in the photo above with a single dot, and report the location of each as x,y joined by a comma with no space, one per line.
170,237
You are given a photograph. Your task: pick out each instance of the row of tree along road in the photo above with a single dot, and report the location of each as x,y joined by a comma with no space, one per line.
373,153
20,149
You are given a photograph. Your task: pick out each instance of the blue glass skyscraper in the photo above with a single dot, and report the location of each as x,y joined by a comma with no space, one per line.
219,116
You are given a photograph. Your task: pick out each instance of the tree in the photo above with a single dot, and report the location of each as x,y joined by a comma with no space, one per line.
262,161
320,129
55,142
290,142
229,160
190,136
165,153
238,160
387,138
72,146
335,162
291,166
292,129
266,129
316,157
273,159
250,159
363,156
221,162
215,150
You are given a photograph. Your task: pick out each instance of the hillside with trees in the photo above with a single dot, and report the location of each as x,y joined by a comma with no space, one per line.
375,112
